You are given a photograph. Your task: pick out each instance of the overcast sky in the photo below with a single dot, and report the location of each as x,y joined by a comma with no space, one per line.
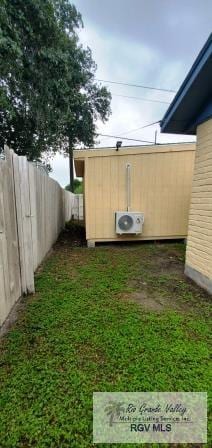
148,42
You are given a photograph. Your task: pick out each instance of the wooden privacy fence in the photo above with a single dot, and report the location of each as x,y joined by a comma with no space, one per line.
78,207
73,206
33,210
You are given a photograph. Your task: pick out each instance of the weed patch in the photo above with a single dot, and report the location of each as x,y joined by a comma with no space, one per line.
83,332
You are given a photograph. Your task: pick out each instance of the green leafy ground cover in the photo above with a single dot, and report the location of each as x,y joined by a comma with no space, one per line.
114,318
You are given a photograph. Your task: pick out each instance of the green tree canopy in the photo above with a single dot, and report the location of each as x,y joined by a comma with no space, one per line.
49,100
77,186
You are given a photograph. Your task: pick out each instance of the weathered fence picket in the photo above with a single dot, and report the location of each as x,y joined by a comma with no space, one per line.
10,281
33,210
23,206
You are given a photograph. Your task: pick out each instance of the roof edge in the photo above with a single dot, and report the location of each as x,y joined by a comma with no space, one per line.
81,154
195,69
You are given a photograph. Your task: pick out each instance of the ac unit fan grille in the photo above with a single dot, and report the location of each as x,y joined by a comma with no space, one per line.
125,222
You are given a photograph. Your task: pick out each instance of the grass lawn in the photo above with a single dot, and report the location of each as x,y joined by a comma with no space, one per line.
114,318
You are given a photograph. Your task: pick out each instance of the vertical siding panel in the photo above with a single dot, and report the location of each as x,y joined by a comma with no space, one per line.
160,187
183,197
174,176
114,192
122,182
145,190
86,197
106,213
93,192
165,194
159,191
98,204
135,175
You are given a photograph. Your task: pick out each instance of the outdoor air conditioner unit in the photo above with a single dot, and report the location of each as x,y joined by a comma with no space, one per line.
129,222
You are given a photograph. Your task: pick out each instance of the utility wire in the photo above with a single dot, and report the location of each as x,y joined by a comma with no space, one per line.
135,85
125,138
141,127
141,99
137,129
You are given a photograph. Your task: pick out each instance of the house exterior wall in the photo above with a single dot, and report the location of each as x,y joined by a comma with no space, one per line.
161,180
199,245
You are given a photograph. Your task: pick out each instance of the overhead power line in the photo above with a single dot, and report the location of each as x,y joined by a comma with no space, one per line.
136,85
125,138
150,124
134,130
142,127
141,99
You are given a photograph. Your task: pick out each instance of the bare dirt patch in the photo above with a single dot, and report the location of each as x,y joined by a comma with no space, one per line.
155,303
159,284
147,302
163,260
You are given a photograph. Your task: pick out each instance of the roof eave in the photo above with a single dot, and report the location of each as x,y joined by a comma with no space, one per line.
197,67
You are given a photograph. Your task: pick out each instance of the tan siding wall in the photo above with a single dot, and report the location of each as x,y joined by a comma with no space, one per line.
160,187
199,247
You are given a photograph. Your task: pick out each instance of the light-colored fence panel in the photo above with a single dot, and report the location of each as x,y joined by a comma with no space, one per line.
23,206
78,212
81,206
33,211
10,280
73,206
40,217
69,202
47,213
